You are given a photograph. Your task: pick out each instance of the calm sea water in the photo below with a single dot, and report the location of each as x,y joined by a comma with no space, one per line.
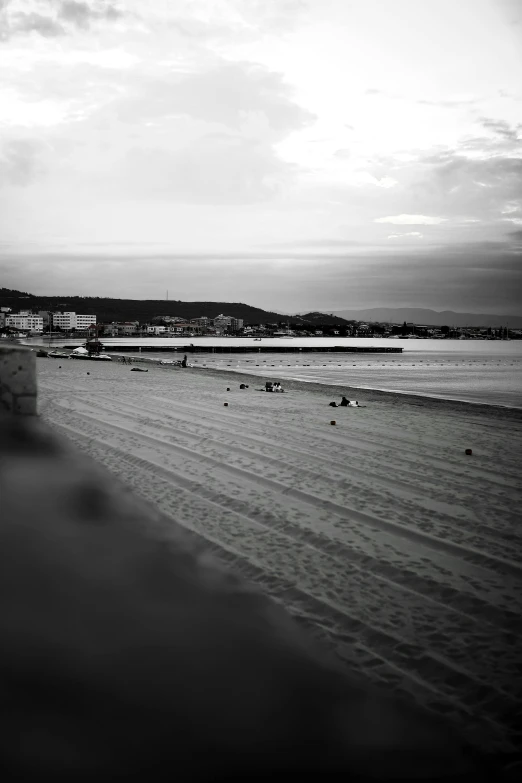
479,371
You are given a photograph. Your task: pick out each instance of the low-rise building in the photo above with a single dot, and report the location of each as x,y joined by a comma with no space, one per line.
121,328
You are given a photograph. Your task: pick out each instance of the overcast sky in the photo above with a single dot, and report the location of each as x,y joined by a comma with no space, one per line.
290,154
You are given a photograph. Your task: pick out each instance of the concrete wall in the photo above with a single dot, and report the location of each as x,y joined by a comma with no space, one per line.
17,379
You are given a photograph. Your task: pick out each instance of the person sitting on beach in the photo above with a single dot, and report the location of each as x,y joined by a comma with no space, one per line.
344,402
243,386
333,404
269,386
184,362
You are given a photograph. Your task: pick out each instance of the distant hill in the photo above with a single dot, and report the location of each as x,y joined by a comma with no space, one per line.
143,310
417,315
315,318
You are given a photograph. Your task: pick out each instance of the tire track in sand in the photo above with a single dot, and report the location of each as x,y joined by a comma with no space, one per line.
418,604
471,554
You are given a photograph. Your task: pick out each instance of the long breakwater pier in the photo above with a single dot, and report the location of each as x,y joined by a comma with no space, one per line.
228,349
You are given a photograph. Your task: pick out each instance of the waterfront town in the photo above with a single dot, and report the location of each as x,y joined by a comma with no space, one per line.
26,323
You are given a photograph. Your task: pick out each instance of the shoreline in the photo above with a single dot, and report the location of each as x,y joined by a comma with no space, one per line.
380,394
389,392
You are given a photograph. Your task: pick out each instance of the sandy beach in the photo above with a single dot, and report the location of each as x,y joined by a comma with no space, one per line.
378,533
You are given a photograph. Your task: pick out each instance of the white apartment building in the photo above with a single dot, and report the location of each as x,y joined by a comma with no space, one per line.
25,322
72,320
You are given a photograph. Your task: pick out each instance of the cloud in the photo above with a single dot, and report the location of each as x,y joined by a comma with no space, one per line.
237,19
506,141
19,162
405,234
411,220
274,14
511,11
46,26
503,129
214,169
484,252
512,208
449,103
477,179
326,243
52,18
225,94
82,13
480,185
480,179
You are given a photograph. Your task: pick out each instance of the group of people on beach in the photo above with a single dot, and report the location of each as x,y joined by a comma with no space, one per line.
346,404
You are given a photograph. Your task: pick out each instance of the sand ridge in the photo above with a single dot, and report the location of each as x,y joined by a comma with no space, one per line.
398,551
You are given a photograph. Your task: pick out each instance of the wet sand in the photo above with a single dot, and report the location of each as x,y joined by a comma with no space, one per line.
397,550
